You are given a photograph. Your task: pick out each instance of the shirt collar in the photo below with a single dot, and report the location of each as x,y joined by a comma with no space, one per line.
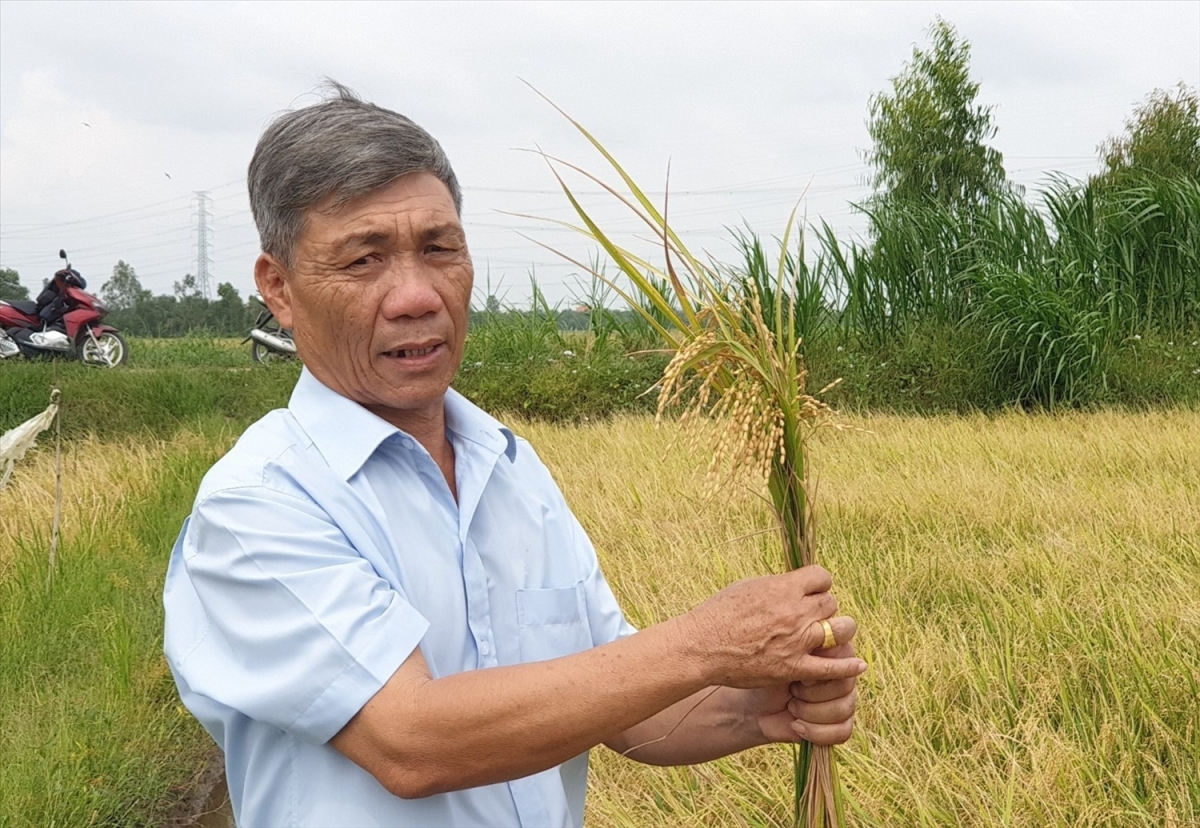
347,434
471,422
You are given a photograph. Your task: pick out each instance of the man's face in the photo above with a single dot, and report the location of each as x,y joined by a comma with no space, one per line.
378,297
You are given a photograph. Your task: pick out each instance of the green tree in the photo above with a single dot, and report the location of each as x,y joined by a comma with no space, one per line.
10,285
1162,138
929,133
156,316
187,289
123,291
191,308
228,312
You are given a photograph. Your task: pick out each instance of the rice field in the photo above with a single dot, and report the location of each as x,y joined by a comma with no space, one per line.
1027,589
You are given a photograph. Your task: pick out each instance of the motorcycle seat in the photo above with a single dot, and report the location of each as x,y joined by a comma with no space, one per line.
25,306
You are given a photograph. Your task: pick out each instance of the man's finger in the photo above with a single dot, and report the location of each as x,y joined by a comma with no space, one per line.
813,669
840,651
824,734
813,579
844,627
825,712
822,691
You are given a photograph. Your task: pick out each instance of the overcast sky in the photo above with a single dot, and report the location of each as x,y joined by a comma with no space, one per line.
113,114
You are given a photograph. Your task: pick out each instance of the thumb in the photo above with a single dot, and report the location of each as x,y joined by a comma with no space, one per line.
843,627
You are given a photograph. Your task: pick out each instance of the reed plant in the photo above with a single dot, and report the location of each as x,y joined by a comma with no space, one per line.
735,359
921,261
1138,242
1128,250
809,288
1048,347
508,336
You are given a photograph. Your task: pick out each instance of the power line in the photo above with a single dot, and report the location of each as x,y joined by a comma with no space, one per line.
126,212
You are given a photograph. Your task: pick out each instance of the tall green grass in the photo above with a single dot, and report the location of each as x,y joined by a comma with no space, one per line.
1138,244
1054,290
1045,345
155,401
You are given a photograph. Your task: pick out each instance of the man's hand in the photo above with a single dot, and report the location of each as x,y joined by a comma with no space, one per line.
765,632
717,721
820,711
824,710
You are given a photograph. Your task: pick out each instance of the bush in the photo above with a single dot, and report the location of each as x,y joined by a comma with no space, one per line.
933,369
1156,369
569,388
1043,348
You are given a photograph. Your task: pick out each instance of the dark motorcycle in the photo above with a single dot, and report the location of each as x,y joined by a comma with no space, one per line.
270,342
63,321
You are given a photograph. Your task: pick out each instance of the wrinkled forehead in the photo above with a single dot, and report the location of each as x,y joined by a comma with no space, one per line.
416,205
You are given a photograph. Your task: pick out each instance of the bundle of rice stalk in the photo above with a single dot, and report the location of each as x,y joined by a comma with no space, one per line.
739,363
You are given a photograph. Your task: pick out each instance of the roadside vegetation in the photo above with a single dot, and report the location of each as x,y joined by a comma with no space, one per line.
565,376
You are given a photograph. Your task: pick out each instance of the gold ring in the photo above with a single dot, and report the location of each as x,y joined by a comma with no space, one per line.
829,642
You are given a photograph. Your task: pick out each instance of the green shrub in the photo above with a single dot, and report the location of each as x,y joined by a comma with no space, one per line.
570,388
1156,369
935,368
1044,347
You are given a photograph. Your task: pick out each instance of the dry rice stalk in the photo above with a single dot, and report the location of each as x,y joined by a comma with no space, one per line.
739,363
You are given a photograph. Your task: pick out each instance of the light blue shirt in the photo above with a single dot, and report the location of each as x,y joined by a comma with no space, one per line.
321,551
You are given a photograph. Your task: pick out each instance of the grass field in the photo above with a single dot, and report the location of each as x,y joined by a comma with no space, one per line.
1028,590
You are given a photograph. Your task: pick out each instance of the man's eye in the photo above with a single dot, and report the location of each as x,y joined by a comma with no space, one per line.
362,261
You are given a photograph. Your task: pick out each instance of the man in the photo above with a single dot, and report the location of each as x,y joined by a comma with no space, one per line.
381,607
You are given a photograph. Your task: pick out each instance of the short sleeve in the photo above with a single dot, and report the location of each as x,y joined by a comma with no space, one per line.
301,629
605,617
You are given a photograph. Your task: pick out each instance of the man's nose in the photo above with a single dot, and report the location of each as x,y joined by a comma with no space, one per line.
411,291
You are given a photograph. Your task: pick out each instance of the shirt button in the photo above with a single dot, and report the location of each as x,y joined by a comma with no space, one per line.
485,648
408,444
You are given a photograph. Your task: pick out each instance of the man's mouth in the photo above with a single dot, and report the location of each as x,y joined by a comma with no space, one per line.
412,353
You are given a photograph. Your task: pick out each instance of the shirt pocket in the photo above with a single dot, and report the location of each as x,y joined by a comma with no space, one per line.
552,622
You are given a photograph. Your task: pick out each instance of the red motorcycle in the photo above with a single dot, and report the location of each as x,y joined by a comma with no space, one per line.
63,321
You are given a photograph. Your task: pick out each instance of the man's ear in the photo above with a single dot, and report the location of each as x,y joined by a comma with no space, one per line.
271,277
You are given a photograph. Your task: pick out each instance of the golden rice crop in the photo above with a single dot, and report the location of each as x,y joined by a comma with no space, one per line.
97,477
1027,589
1028,594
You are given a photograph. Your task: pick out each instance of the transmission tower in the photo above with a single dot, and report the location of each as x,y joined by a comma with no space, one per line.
202,260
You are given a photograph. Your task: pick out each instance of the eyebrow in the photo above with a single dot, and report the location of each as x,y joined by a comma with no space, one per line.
369,238
365,238
437,231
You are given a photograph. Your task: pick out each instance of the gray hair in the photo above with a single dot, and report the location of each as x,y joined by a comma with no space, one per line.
344,147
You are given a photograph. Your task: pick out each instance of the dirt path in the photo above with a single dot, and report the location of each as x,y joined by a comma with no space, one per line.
207,806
